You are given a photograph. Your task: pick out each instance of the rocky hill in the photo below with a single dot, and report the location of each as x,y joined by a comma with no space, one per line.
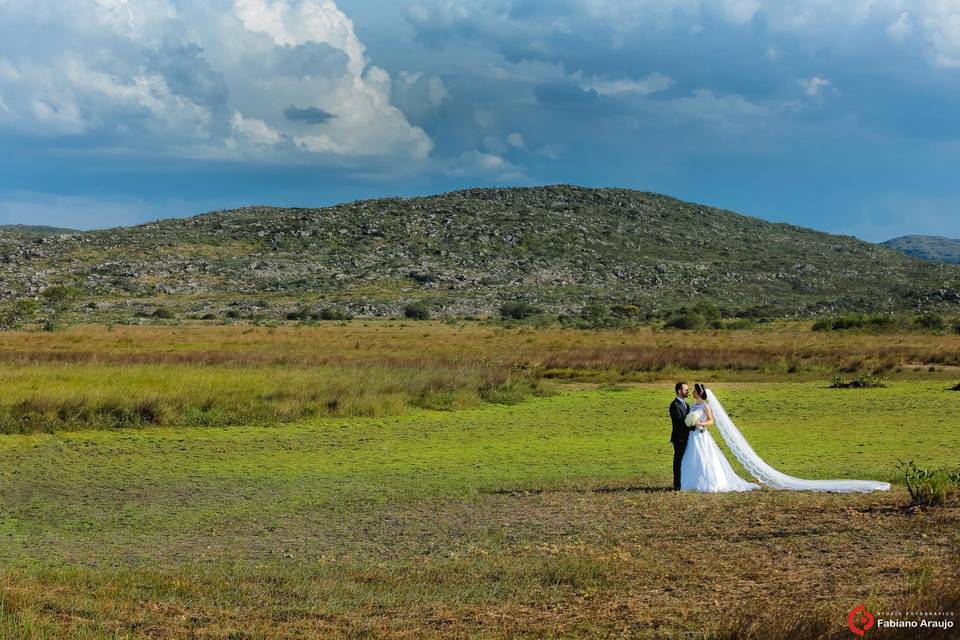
31,230
466,253
932,248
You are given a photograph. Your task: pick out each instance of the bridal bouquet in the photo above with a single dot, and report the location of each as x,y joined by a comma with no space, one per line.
694,418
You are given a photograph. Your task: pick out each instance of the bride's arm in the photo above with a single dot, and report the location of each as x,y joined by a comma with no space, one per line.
708,422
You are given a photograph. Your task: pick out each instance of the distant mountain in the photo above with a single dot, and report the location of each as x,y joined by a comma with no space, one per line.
468,252
933,248
32,230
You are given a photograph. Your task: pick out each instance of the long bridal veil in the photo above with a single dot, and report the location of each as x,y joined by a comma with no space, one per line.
770,476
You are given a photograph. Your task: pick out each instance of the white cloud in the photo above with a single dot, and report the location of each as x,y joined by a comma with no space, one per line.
814,85
941,24
516,141
651,84
901,27
202,79
255,131
486,166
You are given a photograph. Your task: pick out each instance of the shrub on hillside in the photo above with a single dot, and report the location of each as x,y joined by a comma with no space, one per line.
417,311
626,310
856,321
19,313
931,321
303,314
518,310
163,313
335,313
596,315
686,320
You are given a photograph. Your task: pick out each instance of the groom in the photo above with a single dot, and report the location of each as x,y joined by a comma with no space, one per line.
680,433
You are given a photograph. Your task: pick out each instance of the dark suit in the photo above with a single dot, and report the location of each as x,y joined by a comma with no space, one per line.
678,436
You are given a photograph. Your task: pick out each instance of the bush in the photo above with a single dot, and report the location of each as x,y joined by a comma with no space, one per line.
596,315
518,310
19,313
233,314
164,314
854,321
927,487
931,321
335,313
866,381
417,311
302,314
687,321
710,312
741,324
956,328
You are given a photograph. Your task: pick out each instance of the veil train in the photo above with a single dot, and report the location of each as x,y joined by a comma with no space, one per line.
770,476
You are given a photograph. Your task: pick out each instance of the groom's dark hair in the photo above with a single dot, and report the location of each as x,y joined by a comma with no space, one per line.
679,386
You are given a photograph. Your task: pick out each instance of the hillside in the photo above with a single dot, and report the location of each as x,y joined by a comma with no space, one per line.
932,248
466,253
31,230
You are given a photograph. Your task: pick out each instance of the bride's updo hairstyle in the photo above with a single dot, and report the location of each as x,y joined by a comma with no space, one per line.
701,390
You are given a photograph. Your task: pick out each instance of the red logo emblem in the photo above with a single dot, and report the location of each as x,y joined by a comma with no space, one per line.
860,620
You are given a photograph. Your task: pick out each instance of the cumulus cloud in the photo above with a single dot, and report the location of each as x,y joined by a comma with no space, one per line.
487,167
200,79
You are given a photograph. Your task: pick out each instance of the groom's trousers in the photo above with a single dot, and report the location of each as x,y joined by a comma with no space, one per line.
678,449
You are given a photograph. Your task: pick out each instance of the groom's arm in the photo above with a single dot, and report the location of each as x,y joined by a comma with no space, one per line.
677,417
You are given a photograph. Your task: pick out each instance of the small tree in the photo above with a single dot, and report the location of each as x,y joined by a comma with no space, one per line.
59,300
18,313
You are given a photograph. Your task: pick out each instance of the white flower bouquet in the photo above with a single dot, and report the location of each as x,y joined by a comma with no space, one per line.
694,418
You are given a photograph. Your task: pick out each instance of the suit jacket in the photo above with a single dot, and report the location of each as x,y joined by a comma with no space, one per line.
678,413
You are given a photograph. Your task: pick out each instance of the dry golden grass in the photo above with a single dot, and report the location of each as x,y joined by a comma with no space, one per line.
780,348
629,563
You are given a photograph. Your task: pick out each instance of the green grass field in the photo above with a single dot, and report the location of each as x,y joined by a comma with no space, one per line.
543,518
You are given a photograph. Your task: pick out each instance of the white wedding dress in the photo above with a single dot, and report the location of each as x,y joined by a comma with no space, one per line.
704,467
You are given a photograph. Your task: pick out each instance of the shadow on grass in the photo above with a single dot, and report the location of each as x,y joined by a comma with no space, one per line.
520,493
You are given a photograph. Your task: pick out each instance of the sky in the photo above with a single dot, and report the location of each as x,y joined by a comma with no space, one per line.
842,115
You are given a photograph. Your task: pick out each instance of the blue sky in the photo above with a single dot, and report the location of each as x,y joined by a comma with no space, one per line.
838,115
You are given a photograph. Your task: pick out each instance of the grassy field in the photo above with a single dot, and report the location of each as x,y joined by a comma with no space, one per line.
390,479
97,377
544,518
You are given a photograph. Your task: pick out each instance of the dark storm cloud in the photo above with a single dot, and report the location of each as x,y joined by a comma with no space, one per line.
308,115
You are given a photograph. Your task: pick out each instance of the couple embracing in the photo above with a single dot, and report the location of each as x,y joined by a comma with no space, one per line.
700,465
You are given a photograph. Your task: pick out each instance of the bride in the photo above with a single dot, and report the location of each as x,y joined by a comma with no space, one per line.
704,468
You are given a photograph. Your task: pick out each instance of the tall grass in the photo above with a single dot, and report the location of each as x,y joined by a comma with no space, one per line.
53,397
101,377
779,347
